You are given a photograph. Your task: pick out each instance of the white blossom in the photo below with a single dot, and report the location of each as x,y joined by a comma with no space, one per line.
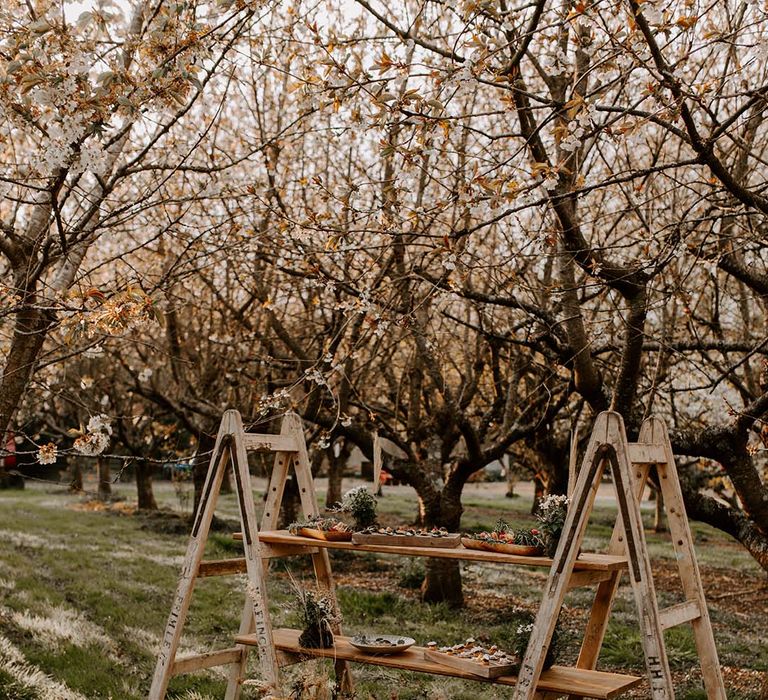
100,424
47,454
91,444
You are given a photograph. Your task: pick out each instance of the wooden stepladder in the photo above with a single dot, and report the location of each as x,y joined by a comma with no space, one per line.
630,465
231,448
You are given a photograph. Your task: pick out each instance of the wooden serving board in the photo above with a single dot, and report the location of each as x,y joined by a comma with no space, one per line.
518,549
477,668
452,540
325,535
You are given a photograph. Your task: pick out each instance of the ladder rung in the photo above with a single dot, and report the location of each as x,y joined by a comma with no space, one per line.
646,453
221,567
587,578
228,567
257,442
679,614
209,659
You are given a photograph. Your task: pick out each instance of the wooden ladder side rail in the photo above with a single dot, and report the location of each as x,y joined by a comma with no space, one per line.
597,624
694,608
166,662
608,445
321,560
640,573
563,562
255,618
269,519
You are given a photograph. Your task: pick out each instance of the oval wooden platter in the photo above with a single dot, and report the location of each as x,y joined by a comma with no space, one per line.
503,547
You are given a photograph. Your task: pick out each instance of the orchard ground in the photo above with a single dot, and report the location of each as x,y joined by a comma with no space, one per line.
85,590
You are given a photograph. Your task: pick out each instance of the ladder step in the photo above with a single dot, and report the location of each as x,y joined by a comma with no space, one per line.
679,614
209,659
221,567
646,453
258,442
587,578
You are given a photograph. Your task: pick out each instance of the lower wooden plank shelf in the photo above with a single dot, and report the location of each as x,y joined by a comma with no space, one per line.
558,679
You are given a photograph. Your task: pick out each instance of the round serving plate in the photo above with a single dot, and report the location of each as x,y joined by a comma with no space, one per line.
368,643
502,547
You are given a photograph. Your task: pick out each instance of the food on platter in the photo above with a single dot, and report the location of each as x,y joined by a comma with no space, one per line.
381,644
320,528
473,657
407,536
523,542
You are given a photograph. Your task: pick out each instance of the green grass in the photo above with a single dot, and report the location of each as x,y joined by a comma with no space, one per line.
116,575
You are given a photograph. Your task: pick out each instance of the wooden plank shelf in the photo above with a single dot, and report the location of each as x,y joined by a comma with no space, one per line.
558,679
585,562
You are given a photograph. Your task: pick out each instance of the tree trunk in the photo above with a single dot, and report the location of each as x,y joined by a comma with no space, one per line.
226,481
658,514
336,466
442,583
512,479
105,479
335,479
144,487
28,337
538,494
289,512
76,484
200,467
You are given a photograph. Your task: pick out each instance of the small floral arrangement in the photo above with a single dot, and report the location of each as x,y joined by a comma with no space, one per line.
529,538
360,503
317,522
551,516
503,533
318,615
523,628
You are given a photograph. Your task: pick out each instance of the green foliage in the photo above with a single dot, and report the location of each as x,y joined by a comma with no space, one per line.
522,626
551,515
11,688
528,538
317,617
622,647
368,606
412,574
360,503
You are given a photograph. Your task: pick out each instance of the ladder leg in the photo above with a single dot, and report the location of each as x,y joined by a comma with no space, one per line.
563,563
685,555
640,575
195,549
606,590
237,670
320,561
598,623
256,585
